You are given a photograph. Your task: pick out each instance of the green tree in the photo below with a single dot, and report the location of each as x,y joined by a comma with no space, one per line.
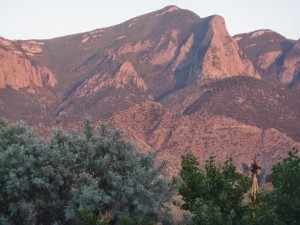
78,178
86,217
282,204
36,178
119,179
215,195
286,180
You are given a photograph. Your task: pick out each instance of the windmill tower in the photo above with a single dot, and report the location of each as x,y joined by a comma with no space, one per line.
257,168
254,170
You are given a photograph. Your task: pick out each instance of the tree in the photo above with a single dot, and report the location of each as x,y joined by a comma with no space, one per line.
16,163
215,195
282,204
78,178
286,180
120,180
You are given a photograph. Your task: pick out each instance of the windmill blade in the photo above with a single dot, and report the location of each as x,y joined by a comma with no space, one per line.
262,177
245,167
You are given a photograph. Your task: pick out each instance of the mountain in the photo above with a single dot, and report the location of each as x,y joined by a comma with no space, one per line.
239,116
173,80
276,58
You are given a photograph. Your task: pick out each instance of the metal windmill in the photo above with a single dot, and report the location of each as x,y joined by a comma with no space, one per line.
257,168
258,174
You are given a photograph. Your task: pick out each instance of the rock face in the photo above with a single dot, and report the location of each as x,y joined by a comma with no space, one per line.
174,81
126,75
275,57
223,57
17,71
26,87
290,72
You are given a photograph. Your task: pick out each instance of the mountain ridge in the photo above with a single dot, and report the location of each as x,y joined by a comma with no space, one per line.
170,78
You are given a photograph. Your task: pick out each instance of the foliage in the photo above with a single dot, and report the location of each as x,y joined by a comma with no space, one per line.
78,178
86,217
286,180
282,204
127,220
215,195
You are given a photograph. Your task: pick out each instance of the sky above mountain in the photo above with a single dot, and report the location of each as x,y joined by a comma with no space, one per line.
36,19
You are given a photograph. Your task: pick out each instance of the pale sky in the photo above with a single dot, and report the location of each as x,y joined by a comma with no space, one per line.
43,19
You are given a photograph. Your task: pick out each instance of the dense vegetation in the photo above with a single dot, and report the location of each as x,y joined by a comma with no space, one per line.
282,205
89,178
97,178
215,196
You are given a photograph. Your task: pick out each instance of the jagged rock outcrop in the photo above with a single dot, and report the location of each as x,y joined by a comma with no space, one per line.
126,75
223,57
275,57
18,72
290,70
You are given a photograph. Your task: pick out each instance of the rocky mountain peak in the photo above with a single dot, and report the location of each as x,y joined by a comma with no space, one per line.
223,57
217,24
274,56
